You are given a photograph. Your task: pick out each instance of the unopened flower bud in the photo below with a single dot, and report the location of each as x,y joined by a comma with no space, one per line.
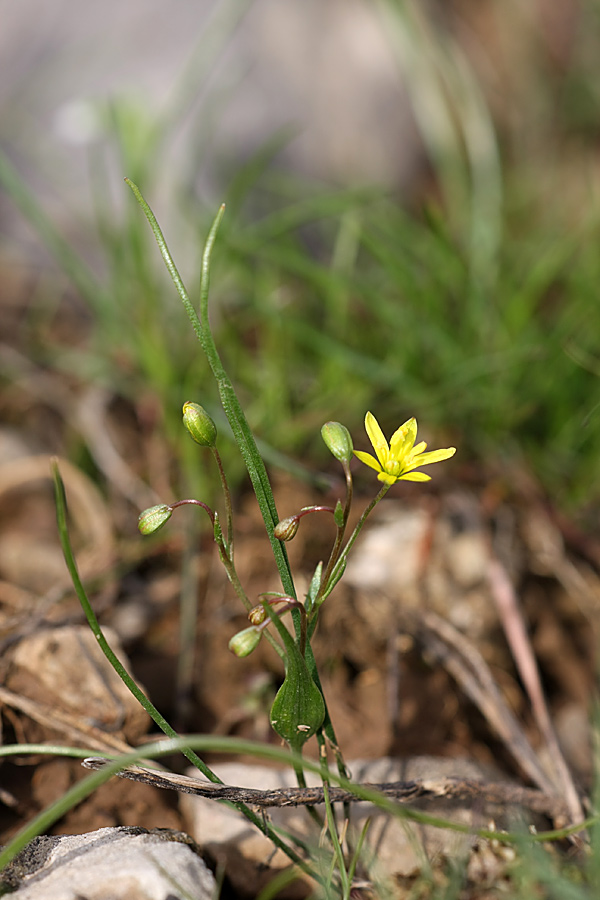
257,614
152,519
244,642
338,441
199,424
287,528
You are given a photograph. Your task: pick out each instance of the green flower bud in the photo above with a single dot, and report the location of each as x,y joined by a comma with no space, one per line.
257,614
287,528
244,642
152,519
338,441
199,424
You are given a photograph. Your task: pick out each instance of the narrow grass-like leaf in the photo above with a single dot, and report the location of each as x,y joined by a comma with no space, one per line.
231,405
157,717
338,853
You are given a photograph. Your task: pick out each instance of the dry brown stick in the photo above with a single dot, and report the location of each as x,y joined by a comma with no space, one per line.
515,630
64,722
469,669
452,789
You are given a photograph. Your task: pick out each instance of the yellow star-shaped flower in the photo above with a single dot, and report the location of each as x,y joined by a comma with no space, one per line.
397,461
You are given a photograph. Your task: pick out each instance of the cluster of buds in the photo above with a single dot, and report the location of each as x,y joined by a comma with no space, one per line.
298,710
245,641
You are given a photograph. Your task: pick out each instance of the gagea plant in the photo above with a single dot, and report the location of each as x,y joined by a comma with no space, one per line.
299,711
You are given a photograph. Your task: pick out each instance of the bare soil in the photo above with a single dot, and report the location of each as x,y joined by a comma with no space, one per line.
389,690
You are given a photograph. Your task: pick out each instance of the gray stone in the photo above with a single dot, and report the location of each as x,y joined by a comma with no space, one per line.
111,864
413,558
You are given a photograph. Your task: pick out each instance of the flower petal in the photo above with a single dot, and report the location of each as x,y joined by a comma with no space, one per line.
403,439
418,449
397,460
387,478
415,476
368,460
425,459
377,438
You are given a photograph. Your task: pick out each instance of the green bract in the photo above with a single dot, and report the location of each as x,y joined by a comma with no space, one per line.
298,710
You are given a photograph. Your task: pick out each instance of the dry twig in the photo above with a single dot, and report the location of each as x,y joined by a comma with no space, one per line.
451,789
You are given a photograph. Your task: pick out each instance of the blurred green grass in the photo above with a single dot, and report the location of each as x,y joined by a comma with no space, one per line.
474,309
473,305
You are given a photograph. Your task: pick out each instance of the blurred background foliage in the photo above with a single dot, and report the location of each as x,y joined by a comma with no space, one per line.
464,292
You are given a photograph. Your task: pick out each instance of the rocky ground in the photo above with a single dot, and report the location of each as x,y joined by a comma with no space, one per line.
426,648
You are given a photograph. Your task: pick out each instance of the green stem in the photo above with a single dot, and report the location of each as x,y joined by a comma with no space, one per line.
238,422
233,576
231,405
337,847
312,812
335,552
188,619
341,562
293,604
228,503
235,582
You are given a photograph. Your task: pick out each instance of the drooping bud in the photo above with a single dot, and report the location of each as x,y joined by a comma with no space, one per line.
199,424
287,528
257,614
338,441
244,642
152,519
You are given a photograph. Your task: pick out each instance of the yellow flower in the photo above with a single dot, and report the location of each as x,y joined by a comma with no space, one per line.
397,461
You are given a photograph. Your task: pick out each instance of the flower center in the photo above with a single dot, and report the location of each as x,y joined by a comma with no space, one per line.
394,467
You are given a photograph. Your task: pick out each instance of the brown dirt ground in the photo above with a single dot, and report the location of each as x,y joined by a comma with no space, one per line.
386,693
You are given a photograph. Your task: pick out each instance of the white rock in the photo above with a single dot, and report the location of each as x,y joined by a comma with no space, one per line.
111,864
412,558
389,552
